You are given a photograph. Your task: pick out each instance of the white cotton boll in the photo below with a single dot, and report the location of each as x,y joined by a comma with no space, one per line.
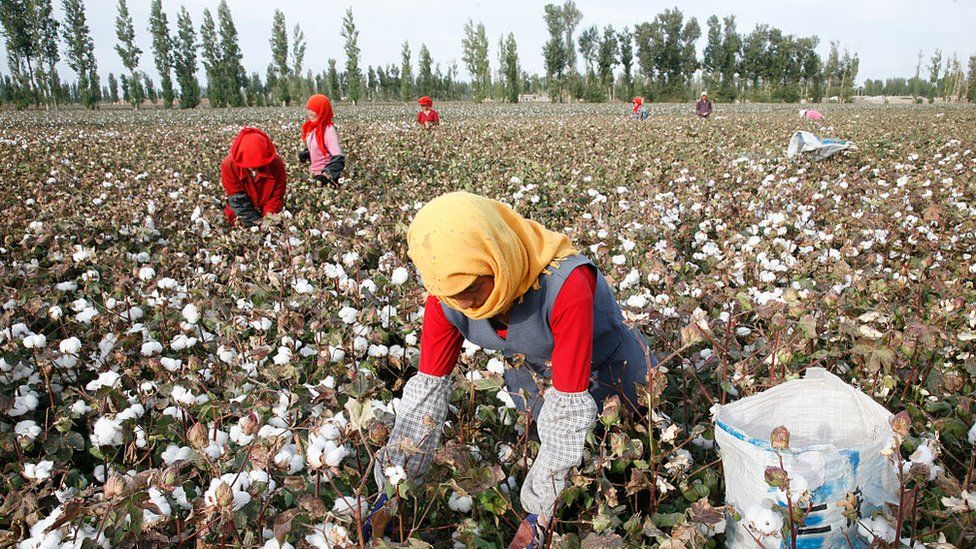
238,437
394,474
348,314
742,331
763,520
23,403
506,398
334,457
28,429
67,286
496,366
186,397
283,357
345,506
135,313
261,324
399,276
105,379
38,471
303,286
505,453
79,305
287,459
70,346
174,453
167,284
273,543
80,254
618,259
151,348
55,312
181,342
972,434
876,527
80,407
147,273
86,315
923,455
35,341
156,497
191,313
171,364
107,431
336,354
328,535
218,442
378,351
461,504
226,354
637,302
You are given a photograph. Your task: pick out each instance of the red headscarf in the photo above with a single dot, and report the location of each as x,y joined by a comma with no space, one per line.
252,149
321,105
638,101
425,101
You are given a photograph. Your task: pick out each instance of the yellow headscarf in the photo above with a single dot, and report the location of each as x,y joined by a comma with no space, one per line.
460,236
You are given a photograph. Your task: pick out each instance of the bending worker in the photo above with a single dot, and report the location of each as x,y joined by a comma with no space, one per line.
506,283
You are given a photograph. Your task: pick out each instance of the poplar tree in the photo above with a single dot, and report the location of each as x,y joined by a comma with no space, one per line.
406,74
555,52
353,74
185,60
425,72
235,78
279,58
475,56
510,70
212,59
128,52
162,45
298,47
80,52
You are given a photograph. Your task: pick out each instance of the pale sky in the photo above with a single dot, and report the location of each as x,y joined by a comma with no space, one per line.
887,34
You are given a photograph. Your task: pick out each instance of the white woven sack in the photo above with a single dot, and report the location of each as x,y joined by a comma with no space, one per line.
837,434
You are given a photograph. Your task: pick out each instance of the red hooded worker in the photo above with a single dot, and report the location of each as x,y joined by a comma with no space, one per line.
253,176
427,117
638,102
322,150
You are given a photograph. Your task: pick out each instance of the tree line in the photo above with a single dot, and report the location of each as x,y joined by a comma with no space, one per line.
657,59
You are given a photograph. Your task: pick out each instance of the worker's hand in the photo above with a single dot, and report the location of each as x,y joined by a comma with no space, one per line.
528,535
326,179
379,519
304,156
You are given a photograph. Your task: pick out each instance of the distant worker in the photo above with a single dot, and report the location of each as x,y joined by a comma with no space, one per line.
427,117
704,106
253,177
639,112
322,150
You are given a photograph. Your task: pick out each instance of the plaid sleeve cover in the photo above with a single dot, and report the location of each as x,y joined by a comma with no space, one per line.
563,423
418,428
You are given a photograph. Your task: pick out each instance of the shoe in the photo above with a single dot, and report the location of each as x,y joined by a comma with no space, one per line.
528,536
379,516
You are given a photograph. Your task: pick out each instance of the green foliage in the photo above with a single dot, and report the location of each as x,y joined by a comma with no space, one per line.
185,60
232,66
475,56
162,45
353,74
406,73
279,60
425,74
128,52
81,52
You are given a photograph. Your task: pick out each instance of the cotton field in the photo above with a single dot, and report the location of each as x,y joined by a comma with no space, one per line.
169,379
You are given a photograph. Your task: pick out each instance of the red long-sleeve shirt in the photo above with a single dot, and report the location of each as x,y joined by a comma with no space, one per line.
266,190
571,322
428,117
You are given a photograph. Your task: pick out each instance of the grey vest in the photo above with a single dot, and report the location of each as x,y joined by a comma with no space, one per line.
529,333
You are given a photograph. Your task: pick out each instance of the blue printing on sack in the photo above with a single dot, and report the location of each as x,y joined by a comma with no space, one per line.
823,496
